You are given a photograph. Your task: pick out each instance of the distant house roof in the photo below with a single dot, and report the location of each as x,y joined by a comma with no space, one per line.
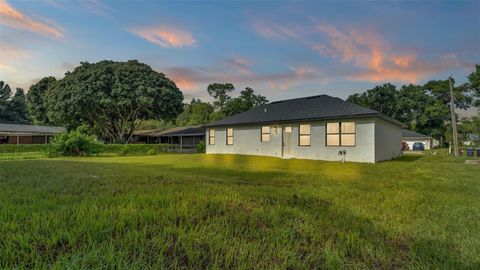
145,132
473,137
183,131
412,134
17,129
178,131
300,109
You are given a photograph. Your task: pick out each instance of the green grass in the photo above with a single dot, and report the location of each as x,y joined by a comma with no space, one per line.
226,211
33,151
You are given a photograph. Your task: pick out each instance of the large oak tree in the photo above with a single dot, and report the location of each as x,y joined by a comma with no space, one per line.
113,98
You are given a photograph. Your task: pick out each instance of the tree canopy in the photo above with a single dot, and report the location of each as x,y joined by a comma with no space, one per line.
36,103
474,85
199,113
12,108
220,92
244,102
424,108
195,113
113,98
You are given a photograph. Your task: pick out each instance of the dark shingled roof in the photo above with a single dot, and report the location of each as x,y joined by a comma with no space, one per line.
30,129
412,134
300,109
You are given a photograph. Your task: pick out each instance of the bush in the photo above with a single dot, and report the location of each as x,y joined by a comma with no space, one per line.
201,147
152,152
123,151
74,143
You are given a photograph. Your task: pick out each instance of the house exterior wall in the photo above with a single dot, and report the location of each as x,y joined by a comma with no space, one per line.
388,140
247,141
28,139
12,139
25,140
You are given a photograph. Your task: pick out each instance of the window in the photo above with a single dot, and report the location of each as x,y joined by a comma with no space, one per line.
340,134
288,129
304,135
333,134
347,137
211,137
265,136
229,136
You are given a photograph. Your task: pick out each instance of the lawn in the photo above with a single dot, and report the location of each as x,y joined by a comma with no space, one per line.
226,211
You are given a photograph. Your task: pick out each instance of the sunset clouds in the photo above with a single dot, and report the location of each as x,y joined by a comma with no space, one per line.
11,17
374,56
165,36
196,79
365,53
281,49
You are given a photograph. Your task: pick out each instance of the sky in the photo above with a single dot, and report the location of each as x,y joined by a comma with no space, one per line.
282,49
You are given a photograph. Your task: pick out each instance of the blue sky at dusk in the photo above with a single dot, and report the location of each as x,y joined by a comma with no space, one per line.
282,49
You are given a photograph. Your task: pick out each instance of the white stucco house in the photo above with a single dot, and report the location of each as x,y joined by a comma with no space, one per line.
318,127
410,137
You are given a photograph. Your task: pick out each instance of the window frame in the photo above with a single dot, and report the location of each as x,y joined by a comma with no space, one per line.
229,136
305,134
264,133
340,133
210,137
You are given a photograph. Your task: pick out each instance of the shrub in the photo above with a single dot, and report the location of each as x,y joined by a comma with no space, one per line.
74,143
152,152
123,151
201,147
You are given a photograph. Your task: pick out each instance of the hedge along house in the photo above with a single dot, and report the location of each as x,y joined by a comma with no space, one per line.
318,127
27,134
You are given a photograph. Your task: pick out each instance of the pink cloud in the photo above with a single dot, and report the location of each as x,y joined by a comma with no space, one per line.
375,58
372,57
97,7
11,54
196,79
272,30
11,17
189,79
165,36
239,64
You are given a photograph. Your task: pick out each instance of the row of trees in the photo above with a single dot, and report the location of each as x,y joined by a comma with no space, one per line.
113,99
12,106
198,112
424,108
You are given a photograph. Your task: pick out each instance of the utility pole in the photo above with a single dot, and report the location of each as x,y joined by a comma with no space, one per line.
454,121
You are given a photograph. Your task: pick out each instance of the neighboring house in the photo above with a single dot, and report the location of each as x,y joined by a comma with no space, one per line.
27,134
410,137
472,139
318,127
182,138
